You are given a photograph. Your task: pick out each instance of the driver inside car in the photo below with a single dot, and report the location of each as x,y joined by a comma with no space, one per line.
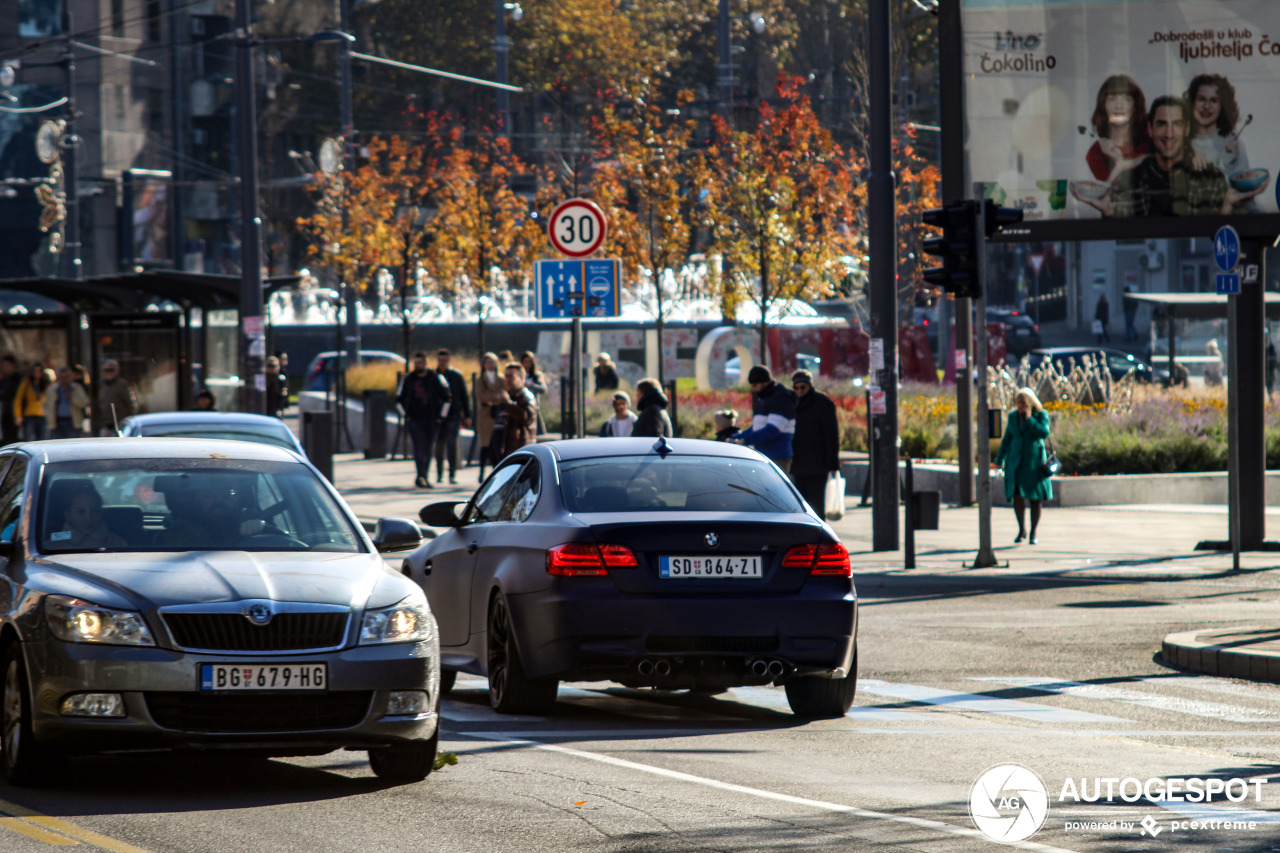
207,515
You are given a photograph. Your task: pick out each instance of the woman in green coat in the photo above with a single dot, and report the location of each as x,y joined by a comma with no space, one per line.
1023,455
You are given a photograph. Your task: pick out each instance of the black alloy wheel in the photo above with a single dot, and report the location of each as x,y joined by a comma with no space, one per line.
510,690
817,698
24,761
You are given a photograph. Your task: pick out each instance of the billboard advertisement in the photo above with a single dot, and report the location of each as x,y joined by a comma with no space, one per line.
1105,119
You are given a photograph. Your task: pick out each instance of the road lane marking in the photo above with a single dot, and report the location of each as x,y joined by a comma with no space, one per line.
1111,693
66,828
1202,811
641,707
1261,692
984,703
86,835
776,699
20,826
838,808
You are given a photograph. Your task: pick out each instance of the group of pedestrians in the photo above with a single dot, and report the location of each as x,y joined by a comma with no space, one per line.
437,407
37,402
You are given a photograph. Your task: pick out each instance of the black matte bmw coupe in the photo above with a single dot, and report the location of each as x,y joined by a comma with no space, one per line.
676,564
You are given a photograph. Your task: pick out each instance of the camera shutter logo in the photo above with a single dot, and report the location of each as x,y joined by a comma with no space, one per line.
1008,803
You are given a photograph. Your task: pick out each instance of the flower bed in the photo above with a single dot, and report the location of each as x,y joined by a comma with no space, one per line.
1163,432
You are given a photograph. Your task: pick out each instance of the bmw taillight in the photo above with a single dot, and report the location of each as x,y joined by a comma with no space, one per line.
829,558
579,559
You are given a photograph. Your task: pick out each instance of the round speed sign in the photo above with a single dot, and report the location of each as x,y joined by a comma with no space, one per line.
577,228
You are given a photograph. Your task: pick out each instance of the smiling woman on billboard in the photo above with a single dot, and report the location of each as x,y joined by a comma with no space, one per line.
1139,107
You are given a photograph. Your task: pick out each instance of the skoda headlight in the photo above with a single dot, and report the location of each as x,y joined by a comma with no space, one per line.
79,621
410,621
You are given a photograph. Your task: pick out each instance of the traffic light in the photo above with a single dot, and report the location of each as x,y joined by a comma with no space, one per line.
957,247
995,217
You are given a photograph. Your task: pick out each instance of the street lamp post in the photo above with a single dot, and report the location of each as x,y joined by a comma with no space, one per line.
501,47
252,348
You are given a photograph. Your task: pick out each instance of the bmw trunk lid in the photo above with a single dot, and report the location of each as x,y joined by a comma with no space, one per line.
713,553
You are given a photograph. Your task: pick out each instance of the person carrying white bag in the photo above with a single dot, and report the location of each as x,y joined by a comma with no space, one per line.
816,447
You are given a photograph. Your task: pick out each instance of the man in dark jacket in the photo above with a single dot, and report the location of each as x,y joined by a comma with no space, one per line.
653,420
424,398
817,441
459,416
773,418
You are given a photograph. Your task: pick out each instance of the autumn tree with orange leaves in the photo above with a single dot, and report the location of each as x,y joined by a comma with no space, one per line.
781,207
480,221
648,187
358,224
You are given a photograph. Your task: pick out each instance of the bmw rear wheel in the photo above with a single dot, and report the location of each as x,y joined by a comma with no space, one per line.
510,690
817,698
24,761
405,762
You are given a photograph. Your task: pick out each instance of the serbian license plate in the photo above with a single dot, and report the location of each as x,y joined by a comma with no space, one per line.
257,676
709,567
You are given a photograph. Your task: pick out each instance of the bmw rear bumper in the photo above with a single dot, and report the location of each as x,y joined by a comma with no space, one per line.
572,635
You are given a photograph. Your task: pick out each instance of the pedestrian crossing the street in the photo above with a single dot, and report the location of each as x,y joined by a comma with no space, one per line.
1108,706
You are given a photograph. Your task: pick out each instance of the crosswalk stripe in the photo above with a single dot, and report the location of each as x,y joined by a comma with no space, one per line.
1265,692
774,698
1109,693
983,703
1202,811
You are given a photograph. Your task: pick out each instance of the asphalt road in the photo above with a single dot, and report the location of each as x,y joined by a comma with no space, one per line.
960,671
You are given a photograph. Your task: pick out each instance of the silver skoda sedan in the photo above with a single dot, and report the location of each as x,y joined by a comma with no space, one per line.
173,594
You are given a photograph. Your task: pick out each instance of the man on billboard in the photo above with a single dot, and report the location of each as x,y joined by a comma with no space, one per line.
1166,183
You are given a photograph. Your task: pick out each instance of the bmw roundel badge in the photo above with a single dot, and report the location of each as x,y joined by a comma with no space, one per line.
712,540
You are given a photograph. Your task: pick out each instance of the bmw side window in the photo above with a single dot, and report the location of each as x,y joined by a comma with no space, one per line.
523,496
493,496
11,493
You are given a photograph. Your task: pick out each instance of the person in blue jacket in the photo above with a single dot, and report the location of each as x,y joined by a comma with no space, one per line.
773,418
1023,454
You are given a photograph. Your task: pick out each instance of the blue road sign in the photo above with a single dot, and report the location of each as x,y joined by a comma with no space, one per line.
1226,248
1228,283
578,288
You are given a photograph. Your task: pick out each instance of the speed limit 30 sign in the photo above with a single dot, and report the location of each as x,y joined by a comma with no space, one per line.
577,228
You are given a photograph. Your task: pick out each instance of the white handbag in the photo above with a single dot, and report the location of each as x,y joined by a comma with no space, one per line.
833,497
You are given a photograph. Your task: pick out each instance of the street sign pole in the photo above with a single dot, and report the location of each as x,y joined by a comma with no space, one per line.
986,557
1233,429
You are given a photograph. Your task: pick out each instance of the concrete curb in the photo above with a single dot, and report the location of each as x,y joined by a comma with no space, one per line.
1230,653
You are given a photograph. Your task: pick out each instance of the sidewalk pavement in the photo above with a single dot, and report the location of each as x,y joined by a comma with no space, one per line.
1137,543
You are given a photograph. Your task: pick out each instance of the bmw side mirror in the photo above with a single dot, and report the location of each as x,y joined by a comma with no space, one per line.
396,534
444,514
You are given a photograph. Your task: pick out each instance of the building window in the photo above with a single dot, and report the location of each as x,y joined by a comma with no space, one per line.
38,18
117,18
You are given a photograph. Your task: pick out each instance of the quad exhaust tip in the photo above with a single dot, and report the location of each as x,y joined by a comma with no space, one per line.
772,668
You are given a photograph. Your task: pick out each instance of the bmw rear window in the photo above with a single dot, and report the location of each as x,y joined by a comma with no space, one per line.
650,483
